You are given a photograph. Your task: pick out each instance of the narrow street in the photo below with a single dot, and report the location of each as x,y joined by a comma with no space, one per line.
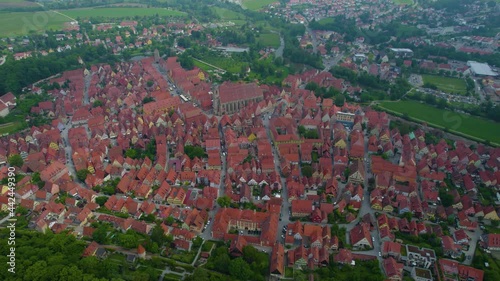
285,206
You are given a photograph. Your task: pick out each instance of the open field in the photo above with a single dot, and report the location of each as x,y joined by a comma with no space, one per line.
446,84
13,24
256,4
9,127
120,12
468,126
269,39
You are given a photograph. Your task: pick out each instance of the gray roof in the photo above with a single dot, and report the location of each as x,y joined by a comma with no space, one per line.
481,68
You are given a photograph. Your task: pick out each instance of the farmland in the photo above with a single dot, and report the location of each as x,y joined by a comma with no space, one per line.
446,84
22,23
256,4
121,12
466,125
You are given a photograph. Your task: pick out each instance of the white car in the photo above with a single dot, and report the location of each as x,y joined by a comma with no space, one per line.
379,254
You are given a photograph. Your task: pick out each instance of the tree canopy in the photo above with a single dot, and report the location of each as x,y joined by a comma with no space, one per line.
16,160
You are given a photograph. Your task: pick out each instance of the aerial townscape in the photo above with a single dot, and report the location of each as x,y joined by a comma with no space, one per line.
218,140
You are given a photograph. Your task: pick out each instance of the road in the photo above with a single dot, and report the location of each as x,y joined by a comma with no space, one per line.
279,52
285,206
313,37
333,61
87,80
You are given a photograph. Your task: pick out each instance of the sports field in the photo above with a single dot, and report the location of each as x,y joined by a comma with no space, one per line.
256,4
446,84
462,123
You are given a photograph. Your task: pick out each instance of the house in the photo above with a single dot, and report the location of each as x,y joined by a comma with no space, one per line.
344,257
357,175
393,270
360,237
421,274
277,263
452,270
301,208
421,257
450,249
493,242
391,249
91,249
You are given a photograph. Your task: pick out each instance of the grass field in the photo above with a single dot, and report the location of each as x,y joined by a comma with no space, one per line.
256,4
120,12
203,66
226,14
446,84
465,124
9,127
228,64
269,39
403,2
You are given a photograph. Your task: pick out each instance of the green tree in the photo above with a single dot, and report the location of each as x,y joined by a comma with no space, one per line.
16,160
224,201
100,235
170,220
82,174
194,151
97,103
101,200
239,269
307,171
147,100
339,100
132,153
158,235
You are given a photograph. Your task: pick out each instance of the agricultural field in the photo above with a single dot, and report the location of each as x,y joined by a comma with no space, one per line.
121,12
21,23
256,4
269,39
15,4
447,84
15,24
461,123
